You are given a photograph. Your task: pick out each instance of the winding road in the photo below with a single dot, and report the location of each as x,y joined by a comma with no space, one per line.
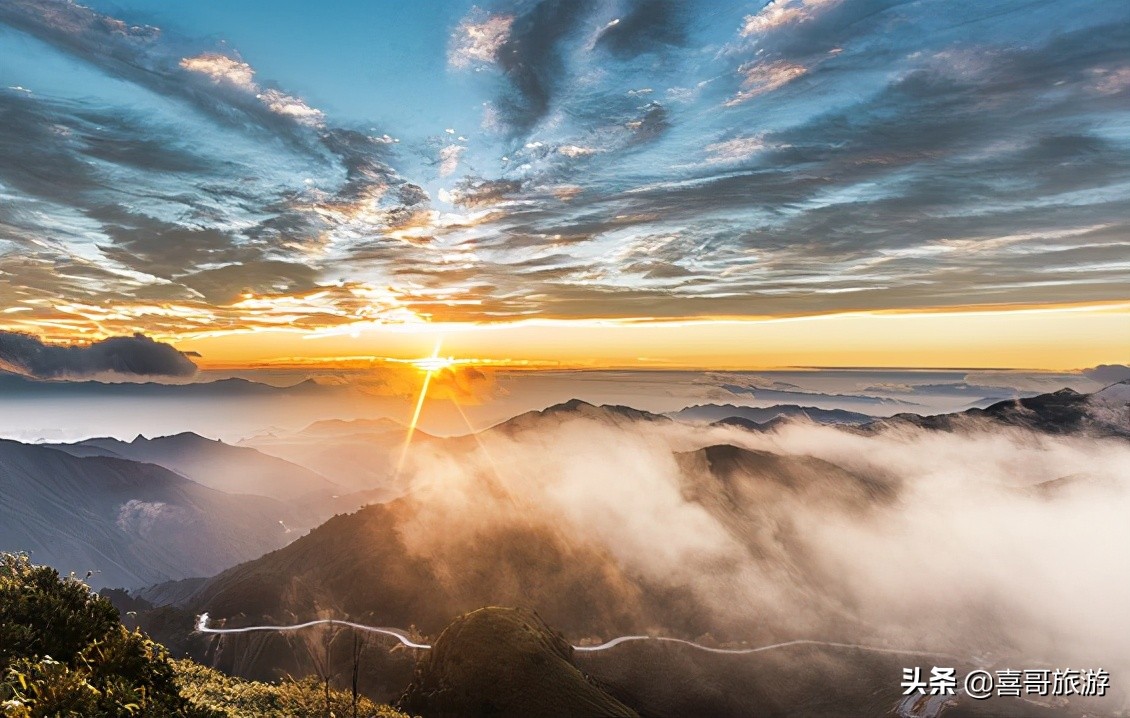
913,706
402,636
398,634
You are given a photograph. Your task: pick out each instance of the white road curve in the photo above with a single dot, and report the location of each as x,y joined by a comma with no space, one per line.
402,636
772,646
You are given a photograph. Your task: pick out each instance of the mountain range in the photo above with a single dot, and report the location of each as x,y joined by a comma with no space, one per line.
724,412
163,510
134,524
233,469
357,454
13,386
1102,413
145,511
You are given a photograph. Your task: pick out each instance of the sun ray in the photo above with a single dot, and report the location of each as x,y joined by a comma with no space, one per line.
483,448
430,366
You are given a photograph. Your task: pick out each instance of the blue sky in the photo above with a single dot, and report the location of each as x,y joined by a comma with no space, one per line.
168,167
363,62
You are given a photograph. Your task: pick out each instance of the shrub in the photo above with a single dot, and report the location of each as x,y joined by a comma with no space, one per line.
63,652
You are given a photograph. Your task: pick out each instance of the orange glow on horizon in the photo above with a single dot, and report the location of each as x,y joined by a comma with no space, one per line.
1043,337
434,363
1037,337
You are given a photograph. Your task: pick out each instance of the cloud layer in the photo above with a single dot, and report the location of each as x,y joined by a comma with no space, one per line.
977,542
632,158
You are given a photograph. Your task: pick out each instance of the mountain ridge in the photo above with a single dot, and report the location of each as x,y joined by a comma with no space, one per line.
214,463
18,385
134,523
713,413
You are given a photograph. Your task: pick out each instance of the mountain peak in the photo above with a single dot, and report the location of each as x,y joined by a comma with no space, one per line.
573,404
341,426
183,437
584,408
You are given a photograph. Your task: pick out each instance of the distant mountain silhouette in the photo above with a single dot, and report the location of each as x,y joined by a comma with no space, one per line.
359,454
789,396
1109,373
233,469
136,524
19,386
1104,413
719,412
751,425
576,408
351,427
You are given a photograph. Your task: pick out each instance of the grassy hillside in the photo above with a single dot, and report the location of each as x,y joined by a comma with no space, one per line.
229,697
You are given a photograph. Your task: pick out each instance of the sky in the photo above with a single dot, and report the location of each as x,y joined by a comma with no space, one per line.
572,182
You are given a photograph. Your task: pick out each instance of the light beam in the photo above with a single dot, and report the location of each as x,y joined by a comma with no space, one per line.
430,366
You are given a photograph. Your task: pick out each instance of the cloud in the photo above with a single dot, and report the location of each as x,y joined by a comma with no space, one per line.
238,74
221,69
812,531
820,156
463,385
574,151
476,192
651,123
781,13
449,159
759,78
128,356
1111,81
532,58
203,184
478,39
142,517
288,106
735,150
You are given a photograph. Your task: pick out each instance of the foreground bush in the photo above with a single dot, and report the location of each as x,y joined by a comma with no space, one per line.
65,653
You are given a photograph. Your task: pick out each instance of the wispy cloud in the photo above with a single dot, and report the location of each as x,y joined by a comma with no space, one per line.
759,78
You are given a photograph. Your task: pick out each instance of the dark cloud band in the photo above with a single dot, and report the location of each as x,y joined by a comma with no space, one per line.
135,356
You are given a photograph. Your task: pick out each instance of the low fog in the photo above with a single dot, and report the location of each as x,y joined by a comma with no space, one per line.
1000,546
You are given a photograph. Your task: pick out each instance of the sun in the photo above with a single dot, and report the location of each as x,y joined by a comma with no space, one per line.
434,363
